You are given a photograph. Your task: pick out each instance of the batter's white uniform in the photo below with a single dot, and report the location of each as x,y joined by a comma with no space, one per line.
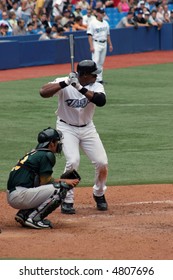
74,119
99,30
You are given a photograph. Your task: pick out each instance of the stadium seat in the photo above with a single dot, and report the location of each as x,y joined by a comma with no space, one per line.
84,12
170,7
114,16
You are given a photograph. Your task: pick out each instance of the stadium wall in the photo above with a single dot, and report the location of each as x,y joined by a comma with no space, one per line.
24,51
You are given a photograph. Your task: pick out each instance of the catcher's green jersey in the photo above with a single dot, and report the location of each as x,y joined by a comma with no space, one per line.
36,163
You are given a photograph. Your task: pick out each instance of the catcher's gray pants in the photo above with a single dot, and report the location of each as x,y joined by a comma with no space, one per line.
27,198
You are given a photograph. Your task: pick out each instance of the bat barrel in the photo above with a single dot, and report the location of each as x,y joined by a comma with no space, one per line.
71,44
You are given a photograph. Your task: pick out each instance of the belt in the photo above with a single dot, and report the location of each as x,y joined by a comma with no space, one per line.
83,125
100,41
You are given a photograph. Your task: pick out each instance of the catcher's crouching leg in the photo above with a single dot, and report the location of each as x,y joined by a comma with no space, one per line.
36,218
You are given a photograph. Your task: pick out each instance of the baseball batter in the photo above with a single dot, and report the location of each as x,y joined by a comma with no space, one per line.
98,36
78,95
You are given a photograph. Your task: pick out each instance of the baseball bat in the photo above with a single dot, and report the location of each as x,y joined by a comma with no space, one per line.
71,42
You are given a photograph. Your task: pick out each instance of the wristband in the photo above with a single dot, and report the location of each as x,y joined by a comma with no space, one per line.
83,91
63,84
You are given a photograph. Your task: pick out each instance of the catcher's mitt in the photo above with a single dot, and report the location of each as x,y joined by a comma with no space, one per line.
73,174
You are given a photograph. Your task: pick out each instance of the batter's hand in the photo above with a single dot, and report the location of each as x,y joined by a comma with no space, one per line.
72,75
75,82
73,78
67,81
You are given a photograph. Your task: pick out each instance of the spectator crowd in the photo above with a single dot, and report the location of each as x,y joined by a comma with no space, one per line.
146,13
51,18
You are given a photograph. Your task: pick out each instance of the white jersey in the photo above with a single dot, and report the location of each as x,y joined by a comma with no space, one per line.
73,107
99,29
87,19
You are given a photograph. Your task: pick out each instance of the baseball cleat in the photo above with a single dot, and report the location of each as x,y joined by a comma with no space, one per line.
38,225
21,217
101,202
67,208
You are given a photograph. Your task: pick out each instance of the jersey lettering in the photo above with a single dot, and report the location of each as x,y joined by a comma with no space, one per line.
76,103
22,161
100,29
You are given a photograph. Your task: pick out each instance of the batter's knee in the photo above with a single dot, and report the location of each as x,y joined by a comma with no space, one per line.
104,170
102,167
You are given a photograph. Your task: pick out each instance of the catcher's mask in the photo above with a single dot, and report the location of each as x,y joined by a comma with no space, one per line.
48,135
87,67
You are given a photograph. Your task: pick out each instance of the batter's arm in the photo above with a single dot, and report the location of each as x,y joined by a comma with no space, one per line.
48,90
98,98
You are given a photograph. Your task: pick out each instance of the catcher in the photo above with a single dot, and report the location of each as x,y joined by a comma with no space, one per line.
31,187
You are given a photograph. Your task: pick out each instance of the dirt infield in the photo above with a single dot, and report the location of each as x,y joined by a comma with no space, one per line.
137,225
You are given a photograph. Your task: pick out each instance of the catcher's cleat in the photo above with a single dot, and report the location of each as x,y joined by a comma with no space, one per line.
38,225
67,208
21,216
101,202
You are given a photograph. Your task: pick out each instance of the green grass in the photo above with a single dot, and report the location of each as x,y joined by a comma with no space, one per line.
136,125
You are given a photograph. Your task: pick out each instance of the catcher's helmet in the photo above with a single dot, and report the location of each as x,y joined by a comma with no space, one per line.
87,67
47,135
